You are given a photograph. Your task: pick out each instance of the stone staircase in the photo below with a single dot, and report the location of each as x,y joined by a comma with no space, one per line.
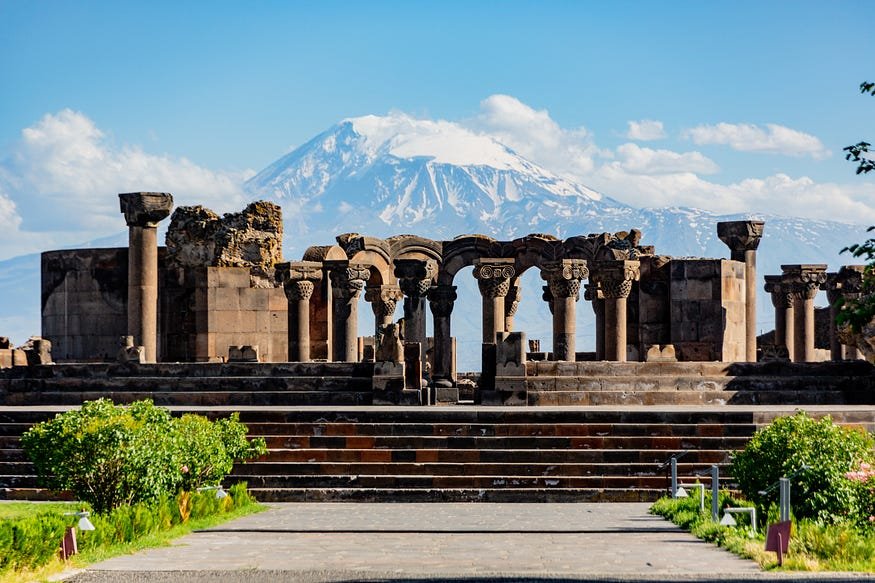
462,453
699,383
191,384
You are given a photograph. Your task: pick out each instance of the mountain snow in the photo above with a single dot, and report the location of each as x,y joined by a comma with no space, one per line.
385,175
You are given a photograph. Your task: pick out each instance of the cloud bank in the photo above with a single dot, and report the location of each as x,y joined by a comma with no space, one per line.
745,137
58,183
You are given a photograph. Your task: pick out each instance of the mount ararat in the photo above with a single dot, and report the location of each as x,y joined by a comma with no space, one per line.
395,174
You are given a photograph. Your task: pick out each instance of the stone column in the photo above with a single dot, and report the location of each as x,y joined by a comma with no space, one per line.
493,279
849,283
347,282
143,211
743,238
593,294
563,277
833,290
512,303
383,300
441,299
415,277
615,277
782,300
803,281
299,280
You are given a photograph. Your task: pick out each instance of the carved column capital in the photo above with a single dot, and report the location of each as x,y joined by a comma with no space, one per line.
513,298
145,209
415,276
804,280
348,279
493,276
849,281
615,277
298,278
740,236
564,277
781,296
383,300
441,300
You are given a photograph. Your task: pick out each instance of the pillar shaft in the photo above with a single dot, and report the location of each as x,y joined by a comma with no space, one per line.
415,277
347,283
614,279
782,300
441,300
143,211
803,281
743,238
299,281
493,279
564,279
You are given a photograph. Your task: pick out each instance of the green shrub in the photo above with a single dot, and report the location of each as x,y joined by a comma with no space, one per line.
820,491
30,541
108,455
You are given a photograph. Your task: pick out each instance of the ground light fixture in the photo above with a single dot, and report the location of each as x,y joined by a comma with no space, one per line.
220,492
83,524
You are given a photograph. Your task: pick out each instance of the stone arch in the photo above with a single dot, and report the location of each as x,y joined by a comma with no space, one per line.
370,251
323,253
462,251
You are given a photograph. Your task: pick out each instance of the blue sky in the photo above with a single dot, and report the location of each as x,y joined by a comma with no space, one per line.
729,97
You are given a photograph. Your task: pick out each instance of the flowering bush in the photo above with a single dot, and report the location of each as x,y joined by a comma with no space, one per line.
818,454
864,481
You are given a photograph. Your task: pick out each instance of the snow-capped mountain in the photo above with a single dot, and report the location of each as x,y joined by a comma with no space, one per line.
384,176
435,178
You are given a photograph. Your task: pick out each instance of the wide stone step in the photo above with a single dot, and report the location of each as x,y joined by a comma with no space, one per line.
455,495
188,384
685,383
508,443
472,481
461,469
201,370
197,398
505,429
703,397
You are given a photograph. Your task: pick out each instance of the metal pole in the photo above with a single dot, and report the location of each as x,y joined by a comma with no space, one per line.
784,501
715,488
674,477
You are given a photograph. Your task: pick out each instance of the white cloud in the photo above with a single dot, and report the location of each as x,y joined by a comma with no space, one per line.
774,139
536,136
59,184
638,160
645,130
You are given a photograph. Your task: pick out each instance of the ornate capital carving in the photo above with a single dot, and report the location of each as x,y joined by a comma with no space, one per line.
415,276
564,277
298,278
592,292
615,277
741,236
441,300
849,281
803,280
493,276
348,279
383,300
781,296
145,209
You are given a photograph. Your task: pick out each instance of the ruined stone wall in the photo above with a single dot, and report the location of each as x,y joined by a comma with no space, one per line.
84,302
707,309
215,307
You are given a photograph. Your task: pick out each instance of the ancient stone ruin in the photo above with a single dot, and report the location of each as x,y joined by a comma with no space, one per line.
220,291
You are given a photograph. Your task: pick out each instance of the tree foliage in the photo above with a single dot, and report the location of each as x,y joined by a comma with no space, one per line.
860,152
109,455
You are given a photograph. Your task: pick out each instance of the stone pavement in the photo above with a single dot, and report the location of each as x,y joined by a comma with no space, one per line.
455,542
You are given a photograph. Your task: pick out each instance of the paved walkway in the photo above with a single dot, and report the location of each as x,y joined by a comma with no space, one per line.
462,542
